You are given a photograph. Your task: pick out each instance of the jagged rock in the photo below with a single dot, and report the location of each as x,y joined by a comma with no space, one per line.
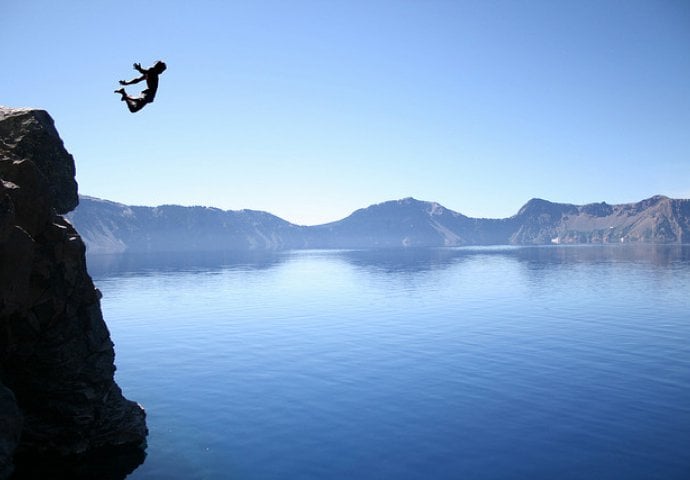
31,134
56,356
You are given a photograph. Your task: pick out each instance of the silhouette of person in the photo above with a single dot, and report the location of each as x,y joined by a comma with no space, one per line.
151,76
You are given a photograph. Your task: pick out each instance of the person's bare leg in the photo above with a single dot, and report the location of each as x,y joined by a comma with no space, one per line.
126,98
134,104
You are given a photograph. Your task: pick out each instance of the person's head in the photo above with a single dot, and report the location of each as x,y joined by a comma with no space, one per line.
159,67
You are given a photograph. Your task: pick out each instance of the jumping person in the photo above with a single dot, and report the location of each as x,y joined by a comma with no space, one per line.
151,76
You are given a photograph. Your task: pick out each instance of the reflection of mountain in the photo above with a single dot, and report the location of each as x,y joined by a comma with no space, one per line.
661,255
109,227
412,260
400,260
141,263
386,260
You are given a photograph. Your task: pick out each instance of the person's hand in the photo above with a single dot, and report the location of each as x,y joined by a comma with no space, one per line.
123,82
137,66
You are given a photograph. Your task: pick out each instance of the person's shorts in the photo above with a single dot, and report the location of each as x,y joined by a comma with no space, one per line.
146,97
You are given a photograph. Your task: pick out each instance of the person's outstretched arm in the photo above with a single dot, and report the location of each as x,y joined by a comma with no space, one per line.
132,81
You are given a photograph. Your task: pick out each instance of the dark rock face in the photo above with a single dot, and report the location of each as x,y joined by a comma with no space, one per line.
10,429
602,209
29,133
56,356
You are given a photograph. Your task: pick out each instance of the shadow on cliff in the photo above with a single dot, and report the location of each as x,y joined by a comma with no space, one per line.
104,464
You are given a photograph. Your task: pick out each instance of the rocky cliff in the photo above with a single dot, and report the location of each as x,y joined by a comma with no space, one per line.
57,391
659,220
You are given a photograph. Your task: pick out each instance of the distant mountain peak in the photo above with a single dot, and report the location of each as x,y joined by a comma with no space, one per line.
433,208
538,206
407,201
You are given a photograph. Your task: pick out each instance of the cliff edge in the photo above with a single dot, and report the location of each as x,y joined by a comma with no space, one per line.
57,391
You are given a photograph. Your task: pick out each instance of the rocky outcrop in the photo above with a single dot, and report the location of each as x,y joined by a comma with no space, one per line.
56,357
31,134
659,220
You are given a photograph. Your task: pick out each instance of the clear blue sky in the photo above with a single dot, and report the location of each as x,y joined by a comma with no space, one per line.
312,109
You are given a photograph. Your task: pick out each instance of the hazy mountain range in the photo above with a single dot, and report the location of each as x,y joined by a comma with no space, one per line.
109,227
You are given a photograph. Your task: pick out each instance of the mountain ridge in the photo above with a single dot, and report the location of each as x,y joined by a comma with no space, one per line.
111,227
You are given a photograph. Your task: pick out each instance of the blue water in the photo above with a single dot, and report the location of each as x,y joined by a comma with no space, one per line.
487,363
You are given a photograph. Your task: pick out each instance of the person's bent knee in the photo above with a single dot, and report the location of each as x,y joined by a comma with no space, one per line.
135,105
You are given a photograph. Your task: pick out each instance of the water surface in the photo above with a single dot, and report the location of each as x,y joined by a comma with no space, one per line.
484,363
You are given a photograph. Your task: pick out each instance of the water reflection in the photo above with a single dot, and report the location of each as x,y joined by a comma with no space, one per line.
398,260
114,463
401,260
429,259
658,255
142,263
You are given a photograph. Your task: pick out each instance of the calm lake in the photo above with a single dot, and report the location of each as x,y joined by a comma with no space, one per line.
470,363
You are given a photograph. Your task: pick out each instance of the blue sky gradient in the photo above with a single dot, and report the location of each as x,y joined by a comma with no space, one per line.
312,109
